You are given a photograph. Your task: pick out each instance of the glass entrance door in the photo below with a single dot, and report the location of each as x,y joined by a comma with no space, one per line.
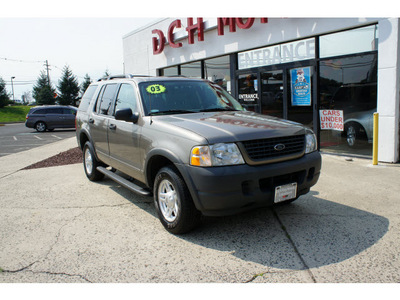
284,91
272,90
248,92
300,95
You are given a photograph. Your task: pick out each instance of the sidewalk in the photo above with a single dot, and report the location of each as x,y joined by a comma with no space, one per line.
14,162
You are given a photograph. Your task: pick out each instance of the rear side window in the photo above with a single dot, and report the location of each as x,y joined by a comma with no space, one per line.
107,98
54,110
69,111
87,97
38,112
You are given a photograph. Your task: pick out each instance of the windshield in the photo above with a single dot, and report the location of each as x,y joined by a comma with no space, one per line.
171,97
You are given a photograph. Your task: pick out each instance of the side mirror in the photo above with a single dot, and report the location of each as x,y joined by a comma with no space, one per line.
127,115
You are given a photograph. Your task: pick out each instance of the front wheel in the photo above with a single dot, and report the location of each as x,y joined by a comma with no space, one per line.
174,205
90,163
355,135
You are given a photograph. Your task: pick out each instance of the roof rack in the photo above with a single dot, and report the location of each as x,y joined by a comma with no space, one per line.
175,76
121,76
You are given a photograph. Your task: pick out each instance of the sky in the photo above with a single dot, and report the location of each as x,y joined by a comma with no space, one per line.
87,45
86,35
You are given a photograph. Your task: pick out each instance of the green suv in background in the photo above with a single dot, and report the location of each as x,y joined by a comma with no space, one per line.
193,147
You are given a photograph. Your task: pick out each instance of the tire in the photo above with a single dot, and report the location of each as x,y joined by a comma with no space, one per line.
174,205
354,135
40,126
90,163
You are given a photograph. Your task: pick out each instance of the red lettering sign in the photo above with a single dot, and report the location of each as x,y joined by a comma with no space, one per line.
177,24
158,44
226,21
246,25
331,119
191,29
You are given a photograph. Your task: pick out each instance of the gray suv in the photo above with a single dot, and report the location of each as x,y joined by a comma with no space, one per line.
193,147
49,117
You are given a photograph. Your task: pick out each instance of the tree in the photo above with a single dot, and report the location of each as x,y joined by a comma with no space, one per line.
68,88
85,84
43,92
4,98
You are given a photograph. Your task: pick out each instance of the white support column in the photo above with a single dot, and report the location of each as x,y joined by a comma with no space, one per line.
388,89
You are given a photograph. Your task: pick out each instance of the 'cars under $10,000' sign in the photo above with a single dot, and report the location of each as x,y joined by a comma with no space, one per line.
331,119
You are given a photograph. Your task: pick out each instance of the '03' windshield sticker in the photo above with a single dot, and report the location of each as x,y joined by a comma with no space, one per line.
156,89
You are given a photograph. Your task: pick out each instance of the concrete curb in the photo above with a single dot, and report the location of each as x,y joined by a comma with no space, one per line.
14,162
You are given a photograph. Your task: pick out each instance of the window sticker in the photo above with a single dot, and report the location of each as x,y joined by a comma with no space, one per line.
156,89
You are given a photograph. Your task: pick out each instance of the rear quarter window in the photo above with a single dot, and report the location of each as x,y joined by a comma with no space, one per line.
87,97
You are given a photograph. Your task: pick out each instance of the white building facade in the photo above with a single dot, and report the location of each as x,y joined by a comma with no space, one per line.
330,74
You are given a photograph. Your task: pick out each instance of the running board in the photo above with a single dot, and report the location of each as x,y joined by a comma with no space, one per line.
126,183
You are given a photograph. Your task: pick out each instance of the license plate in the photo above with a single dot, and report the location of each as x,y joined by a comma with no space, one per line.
285,192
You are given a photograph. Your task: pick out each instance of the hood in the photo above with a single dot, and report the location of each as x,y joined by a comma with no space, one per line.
233,126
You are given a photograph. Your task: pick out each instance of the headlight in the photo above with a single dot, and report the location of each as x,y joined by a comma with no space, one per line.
216,155
311,142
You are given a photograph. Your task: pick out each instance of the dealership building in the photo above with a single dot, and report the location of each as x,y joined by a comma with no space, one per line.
330,74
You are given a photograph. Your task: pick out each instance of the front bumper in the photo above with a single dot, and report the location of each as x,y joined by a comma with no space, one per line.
228,190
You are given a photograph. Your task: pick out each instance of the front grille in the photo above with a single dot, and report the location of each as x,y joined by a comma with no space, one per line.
265,149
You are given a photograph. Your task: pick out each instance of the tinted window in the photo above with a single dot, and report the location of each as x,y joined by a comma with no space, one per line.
69,111
107,98
38,112
98,101
126,98
54,110
349,85
87,96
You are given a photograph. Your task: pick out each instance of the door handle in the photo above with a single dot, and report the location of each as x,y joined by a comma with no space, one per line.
91,121
112,126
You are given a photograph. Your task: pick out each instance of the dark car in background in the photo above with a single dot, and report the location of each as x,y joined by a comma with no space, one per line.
44,118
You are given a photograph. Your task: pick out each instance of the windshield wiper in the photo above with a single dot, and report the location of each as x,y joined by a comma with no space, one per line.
171,111
218,109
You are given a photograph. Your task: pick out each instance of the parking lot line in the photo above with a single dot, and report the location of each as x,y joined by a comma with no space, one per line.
15,138
39,138
56,137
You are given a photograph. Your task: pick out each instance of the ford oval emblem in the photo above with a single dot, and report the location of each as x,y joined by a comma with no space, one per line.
279,147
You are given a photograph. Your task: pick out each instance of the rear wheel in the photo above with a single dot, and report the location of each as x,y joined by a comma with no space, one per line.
90,163
40,126
174,205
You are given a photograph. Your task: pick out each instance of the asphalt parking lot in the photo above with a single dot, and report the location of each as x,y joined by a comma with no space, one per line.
57,226
16,137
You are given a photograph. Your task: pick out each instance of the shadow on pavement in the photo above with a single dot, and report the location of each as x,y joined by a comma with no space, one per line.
321,231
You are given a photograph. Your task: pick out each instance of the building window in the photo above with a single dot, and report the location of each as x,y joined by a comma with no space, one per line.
348,42
171,71
218,70
348,87
191,69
